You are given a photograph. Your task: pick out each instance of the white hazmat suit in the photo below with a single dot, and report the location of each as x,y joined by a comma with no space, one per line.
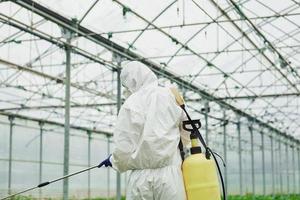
146,138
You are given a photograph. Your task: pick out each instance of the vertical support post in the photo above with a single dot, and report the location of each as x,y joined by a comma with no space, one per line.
118,107
67,118
287,167
240,156
263,162
272,165
225,150
11,124
125,181
89,163
293,169
276,161
206,121
252,160
41,124
280,167
108,169
298,169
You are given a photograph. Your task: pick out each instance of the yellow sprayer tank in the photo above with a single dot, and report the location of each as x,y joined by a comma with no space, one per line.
200,176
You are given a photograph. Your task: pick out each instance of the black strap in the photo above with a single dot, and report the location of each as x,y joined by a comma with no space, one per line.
194,128
180,146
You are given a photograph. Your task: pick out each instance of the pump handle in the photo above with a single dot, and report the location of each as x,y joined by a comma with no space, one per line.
178,97
187,125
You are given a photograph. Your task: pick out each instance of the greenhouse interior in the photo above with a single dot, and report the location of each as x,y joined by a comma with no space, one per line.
236,64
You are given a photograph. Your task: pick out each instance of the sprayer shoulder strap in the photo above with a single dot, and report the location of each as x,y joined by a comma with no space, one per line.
179,100
180,146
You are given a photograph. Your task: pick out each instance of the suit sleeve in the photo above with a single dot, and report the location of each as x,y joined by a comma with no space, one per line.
126,135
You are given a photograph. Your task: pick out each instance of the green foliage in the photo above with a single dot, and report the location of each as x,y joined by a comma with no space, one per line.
22,198
268,197
101,198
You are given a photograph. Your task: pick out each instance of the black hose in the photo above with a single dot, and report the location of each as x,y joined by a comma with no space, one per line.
220,173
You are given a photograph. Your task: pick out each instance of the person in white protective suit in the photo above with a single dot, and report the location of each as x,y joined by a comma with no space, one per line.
146,137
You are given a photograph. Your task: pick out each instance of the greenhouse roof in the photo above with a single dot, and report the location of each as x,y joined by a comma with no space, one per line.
242,55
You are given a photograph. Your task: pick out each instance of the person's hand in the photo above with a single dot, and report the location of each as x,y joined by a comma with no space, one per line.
106,162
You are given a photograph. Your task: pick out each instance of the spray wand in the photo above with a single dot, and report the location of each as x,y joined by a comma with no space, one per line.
55,180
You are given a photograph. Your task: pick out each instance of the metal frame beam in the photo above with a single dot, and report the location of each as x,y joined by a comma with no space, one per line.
84,32
252,97
280,166
11,124
55,123
108,169
52,78
252,159
89,162
240,156
201,23
263,161
59,106
272,165
225,122
298,152
251,41
44,36
119,84
67,115
287,166
265,40
41,124
293,169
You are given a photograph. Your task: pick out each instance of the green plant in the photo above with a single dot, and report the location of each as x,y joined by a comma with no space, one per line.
267,197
